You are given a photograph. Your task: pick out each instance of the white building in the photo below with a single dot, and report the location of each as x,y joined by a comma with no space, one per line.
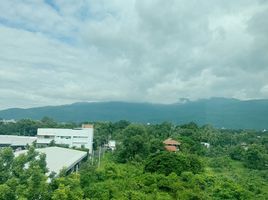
6,121
16,141
80,137
111,145
58,158
206,144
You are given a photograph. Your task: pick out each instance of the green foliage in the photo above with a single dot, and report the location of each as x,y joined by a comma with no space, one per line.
237,152
6,192
167,162
68,187
227,189
23,177
256,157
141,169
37,186
156,145
134,145
61,193
223,162
6,161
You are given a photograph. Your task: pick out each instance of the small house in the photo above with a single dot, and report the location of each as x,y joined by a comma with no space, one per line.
171,145
111,145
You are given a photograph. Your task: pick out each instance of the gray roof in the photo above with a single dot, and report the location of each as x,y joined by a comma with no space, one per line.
14,140
57,158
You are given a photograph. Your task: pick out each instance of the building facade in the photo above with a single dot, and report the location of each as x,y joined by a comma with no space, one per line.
111,145
58,158
16,142
172,145
80,137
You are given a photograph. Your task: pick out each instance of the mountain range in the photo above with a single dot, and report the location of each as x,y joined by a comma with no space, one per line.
219,112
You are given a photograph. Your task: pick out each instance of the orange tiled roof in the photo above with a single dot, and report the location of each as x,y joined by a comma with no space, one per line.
87,126
169,141
171,148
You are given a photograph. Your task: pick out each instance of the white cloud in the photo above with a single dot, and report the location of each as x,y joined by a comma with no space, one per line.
157,51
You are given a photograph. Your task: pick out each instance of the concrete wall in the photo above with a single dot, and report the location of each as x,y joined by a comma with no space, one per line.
71,137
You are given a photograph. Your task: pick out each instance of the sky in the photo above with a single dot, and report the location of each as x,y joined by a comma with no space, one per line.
55,52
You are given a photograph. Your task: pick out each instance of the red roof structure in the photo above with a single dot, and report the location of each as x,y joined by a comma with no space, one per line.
172,142
171,145
171,148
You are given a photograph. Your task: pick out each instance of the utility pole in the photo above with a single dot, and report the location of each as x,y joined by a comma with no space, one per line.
92,157
99,157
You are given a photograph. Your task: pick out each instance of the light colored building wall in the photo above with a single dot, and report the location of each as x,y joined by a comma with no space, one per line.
72,137
16,141
58,158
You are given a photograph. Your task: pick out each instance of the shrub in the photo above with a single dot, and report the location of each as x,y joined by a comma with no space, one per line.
167,162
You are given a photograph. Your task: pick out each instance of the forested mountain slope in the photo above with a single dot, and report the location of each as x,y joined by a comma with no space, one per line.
220,112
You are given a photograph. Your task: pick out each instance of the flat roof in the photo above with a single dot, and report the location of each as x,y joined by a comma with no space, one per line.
170,141
58,131
58,158
15,140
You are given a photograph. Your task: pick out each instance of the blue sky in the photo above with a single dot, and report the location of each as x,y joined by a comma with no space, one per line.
56,52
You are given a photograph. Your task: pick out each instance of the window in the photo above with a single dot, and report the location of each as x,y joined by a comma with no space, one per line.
85,137
65,137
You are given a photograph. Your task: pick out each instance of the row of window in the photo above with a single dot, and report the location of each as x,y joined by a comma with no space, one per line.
79,142
80,137
65,137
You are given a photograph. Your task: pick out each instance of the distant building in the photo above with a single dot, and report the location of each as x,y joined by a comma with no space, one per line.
171,145
80,137
16,142
244,145
111,145
206,144
58,158
6,121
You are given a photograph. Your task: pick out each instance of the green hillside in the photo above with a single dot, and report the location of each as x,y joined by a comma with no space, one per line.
220,112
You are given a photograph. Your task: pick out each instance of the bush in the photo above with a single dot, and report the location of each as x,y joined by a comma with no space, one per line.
256,157
223,162
167,162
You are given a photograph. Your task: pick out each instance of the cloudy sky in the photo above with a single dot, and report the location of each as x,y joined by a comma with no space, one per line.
63,51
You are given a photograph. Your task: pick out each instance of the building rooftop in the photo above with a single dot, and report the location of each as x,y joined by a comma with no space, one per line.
65,131
171,148
170,141
58,158
14,140
87,126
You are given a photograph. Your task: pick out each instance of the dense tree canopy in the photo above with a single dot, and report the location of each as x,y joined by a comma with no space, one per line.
234,166
168,162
